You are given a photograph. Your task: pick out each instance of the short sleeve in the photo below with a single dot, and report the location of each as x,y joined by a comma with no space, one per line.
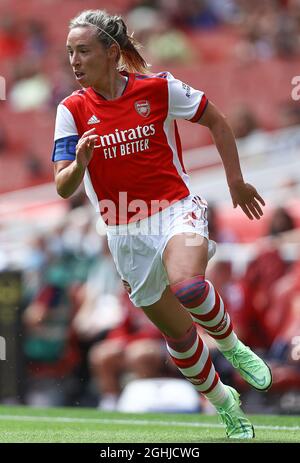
184,101
65,135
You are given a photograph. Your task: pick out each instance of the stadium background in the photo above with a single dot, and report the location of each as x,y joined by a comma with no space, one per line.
62,312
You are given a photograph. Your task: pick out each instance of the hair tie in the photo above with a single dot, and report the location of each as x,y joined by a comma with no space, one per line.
102,30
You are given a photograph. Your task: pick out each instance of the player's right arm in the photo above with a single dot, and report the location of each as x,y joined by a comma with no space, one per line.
71,153
68,175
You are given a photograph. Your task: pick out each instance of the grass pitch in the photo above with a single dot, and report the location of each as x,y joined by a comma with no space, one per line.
74,425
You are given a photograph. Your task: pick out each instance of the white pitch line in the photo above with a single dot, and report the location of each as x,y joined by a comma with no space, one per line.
133,422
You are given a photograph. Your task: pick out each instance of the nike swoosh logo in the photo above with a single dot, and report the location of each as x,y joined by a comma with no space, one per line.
260,382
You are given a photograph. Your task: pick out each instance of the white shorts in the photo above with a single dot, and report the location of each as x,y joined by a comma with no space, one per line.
137,247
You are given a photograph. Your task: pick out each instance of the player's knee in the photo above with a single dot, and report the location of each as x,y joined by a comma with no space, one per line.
191,292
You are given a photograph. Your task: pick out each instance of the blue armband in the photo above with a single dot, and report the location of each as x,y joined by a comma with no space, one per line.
65,148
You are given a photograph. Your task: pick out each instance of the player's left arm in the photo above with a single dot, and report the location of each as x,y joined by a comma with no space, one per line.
242,194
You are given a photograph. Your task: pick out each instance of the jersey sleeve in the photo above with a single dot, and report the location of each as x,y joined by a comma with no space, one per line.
184,101
65,135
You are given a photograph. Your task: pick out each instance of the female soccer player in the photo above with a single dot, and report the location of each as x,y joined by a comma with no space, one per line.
119,134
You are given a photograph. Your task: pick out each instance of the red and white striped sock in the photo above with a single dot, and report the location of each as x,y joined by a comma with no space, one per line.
205,305
192,358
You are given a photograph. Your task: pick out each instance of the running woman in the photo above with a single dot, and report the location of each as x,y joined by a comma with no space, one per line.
118,133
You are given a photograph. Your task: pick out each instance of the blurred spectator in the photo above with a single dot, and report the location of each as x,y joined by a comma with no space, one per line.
36,42
31,89
11,39
115,337
286,36
98,306
170,47
283,320
294,10
51,354
269,30
98,311
284,323
195,14
225,10
133,350
79,236
164,43
281,221
36,260
262,273
268,322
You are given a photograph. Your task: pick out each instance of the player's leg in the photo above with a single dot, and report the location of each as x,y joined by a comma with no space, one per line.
192,358
185,260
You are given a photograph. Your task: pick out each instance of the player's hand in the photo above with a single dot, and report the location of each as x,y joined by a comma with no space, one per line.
246,196
85,148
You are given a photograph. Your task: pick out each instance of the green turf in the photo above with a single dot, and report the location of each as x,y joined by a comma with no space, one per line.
25,424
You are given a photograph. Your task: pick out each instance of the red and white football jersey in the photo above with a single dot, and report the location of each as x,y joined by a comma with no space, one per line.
137,166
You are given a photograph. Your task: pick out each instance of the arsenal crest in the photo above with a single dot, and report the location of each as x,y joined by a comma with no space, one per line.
142,107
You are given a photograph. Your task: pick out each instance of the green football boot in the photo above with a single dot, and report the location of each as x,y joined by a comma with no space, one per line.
236,423
252,368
